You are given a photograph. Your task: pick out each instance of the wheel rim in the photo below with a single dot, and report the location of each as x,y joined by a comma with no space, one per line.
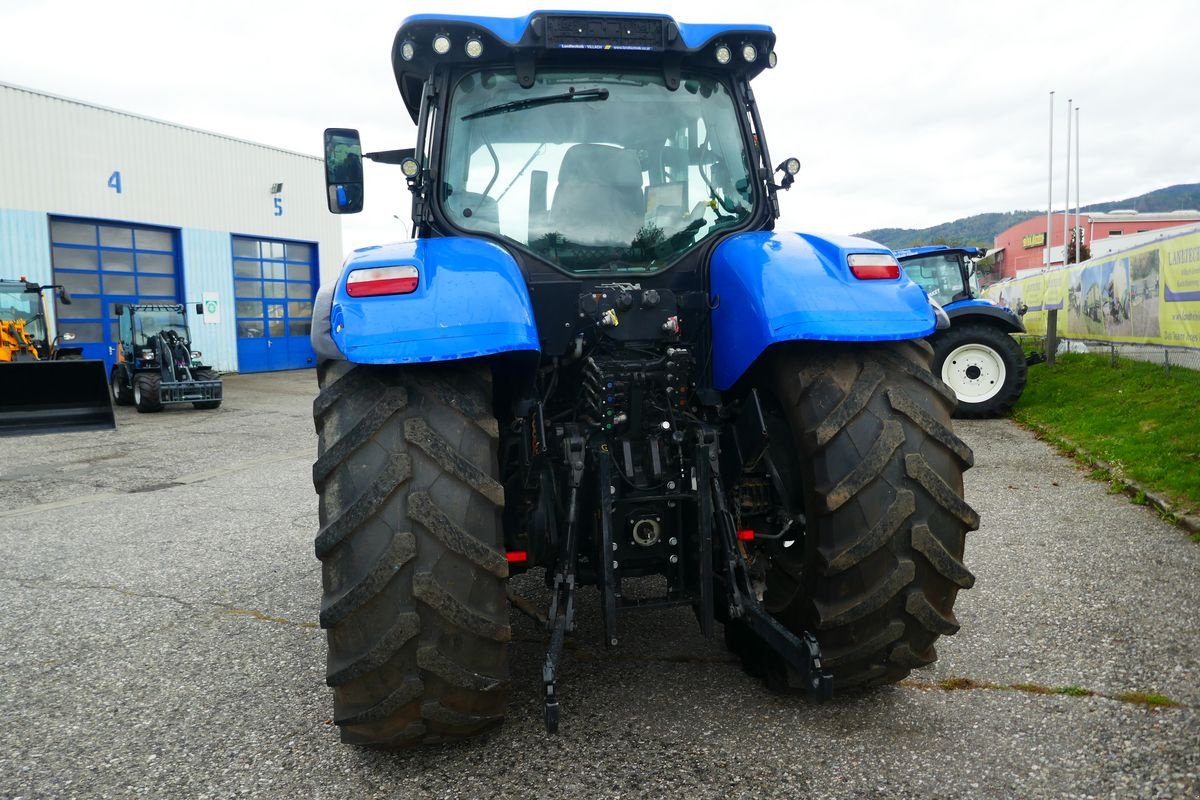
975,372
137,394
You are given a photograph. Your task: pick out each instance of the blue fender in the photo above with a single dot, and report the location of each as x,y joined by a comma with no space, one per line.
985,311
777,287
470,301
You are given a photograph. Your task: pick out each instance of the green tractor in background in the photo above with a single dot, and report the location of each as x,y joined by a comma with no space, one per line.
156,365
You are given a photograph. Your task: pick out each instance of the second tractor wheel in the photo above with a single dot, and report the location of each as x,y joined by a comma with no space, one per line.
880,474
412,552
983,365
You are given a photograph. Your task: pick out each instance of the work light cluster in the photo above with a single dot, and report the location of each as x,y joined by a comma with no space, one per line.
724,54
441,45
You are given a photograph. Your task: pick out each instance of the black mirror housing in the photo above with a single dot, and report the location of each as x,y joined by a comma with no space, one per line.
343,170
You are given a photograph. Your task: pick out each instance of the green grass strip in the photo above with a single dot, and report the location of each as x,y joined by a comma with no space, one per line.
1141,422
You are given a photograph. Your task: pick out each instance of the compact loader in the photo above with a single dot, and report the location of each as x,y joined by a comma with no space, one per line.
156,365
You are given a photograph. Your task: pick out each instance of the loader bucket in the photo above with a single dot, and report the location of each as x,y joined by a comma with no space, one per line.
54,397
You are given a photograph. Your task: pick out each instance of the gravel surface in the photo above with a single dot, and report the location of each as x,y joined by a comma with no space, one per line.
159,639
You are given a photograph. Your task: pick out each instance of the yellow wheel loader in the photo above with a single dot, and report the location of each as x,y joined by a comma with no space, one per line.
45,387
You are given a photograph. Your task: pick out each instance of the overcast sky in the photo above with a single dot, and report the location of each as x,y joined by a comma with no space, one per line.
903,113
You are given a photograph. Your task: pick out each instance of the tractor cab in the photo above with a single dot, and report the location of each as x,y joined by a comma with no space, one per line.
143,327
21,309
23,322
585,145
946,273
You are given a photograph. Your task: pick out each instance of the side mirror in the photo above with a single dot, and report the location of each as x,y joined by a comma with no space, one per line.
200,309
343,170
118,308
63,296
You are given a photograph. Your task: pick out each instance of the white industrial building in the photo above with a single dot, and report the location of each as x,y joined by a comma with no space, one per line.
122,208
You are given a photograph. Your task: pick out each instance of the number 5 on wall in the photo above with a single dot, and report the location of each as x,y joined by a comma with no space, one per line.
278,206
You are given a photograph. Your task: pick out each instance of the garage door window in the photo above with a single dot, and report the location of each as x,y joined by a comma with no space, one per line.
103,263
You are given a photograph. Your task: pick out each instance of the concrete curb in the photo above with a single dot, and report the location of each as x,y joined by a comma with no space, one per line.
1186,521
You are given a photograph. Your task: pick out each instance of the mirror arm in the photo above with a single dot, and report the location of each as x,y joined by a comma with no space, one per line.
391,156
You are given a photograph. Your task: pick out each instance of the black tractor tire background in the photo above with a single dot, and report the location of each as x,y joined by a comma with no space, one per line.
122,393
882,558
145,392
206,375
1016,370
412,551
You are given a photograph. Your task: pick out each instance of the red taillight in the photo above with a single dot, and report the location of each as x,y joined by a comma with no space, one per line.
873,266
516,556
381,280
745,536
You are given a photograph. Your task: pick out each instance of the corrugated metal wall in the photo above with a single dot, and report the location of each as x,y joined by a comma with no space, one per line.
66,158
59,155
24,245
209,260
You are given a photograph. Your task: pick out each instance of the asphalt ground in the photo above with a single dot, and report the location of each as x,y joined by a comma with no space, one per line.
159,639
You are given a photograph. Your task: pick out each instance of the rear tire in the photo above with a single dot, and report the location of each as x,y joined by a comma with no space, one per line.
412,552
122,395
983,365
881,473
145,392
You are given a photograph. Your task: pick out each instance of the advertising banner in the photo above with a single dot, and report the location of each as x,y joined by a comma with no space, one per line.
1148,294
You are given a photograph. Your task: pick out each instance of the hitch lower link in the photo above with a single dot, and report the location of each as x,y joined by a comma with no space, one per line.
562,599
801,651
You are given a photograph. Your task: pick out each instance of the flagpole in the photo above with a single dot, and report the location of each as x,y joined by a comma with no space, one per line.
1050,187
1067,200
1078,230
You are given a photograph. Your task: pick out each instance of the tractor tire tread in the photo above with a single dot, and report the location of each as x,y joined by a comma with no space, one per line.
881,470
414,605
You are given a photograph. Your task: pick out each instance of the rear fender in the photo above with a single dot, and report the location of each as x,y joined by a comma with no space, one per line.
985,311
776,287
470,301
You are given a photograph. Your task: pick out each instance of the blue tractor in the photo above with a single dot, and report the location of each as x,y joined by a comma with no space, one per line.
598,358
976,356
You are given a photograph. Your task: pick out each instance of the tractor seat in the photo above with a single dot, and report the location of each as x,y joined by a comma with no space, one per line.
474,211
599,199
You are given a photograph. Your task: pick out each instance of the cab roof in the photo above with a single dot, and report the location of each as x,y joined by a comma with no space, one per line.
913,252
571,37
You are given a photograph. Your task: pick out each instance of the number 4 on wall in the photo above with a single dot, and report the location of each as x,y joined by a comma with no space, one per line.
114,181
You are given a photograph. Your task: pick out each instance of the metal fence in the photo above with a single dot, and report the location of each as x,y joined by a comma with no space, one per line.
1168,358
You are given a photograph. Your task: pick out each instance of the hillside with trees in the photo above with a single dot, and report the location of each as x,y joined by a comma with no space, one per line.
980,230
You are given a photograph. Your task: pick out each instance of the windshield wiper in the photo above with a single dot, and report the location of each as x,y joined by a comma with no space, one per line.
534,102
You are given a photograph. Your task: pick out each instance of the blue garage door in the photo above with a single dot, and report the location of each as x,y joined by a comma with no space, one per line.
273,287
102,263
